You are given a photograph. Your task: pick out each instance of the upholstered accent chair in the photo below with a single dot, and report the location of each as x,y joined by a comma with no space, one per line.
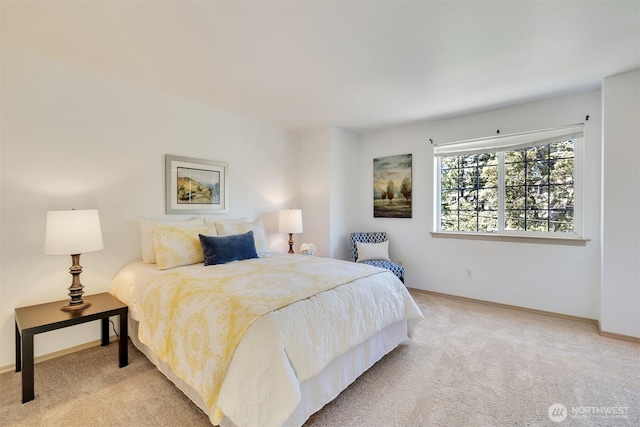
375,237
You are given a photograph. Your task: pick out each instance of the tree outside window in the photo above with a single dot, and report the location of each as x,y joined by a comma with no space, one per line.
522,189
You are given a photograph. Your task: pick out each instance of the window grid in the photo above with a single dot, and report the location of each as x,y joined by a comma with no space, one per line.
538,187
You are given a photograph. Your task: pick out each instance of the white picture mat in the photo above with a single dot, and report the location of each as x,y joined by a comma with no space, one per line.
201,169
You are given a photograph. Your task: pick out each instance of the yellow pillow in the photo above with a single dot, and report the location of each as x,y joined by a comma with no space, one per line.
177,245
146,239
259,236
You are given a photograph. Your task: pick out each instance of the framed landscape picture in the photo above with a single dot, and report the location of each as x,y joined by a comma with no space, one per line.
196,186
392,187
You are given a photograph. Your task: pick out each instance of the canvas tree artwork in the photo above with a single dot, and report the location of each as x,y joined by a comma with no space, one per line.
392,186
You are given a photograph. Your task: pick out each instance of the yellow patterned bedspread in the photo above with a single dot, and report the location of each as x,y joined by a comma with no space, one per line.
194,322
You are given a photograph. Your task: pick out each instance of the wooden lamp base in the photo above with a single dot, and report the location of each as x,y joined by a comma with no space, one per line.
75,290
291,243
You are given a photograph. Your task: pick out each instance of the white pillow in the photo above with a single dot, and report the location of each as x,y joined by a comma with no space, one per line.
369,251
177,245
213,220
146,239
228,228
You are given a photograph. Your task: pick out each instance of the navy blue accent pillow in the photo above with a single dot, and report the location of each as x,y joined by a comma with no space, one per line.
220,250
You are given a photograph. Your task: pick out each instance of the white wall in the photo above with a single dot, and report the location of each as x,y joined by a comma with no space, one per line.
560,279
329,177
74,139
345,176
315,196
621,204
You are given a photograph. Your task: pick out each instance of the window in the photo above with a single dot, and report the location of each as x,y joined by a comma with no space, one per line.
523,184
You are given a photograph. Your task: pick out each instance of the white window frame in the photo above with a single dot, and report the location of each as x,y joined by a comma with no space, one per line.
499,144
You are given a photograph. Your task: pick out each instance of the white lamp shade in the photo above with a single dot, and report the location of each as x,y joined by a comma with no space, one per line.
290,221
72,232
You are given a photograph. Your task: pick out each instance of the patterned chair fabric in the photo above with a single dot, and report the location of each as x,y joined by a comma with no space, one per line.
375,237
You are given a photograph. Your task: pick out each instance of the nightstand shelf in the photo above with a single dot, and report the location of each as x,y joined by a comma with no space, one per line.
40,318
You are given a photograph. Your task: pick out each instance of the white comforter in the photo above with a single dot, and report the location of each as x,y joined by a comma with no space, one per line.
285,347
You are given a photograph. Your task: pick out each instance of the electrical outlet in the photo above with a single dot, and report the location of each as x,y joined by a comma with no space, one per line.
401,262
468,273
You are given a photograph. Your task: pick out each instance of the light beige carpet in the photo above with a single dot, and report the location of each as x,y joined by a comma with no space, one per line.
468,364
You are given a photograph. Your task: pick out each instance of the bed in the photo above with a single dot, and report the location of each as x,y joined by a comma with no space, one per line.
265,340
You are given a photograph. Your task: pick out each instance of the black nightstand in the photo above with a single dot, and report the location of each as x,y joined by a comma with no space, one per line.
48,317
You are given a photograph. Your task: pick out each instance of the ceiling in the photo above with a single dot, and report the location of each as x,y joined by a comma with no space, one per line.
358,65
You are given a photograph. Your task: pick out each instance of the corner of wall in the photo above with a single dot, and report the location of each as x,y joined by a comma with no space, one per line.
620,254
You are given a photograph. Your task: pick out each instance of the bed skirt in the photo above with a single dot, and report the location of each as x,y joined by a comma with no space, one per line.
316,391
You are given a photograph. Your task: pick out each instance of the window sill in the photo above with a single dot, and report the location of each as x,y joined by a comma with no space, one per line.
568,241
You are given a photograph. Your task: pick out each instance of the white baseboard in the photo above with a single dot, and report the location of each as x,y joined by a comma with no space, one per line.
533,310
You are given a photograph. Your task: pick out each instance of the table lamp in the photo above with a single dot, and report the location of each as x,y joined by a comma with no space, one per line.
72,233
290,222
